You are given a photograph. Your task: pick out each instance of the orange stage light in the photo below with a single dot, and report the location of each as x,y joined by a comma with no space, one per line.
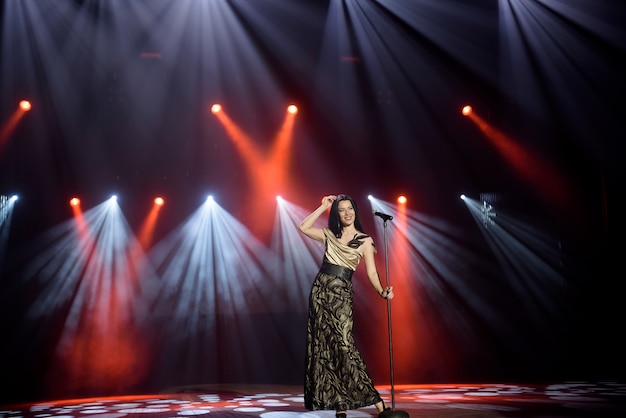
25,105
547,179
9,126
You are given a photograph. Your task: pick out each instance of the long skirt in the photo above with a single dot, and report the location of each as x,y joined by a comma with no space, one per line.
335,374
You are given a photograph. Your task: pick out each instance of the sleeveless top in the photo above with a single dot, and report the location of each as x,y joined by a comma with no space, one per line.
340,254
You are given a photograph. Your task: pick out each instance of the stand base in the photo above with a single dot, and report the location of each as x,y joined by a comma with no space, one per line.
393,413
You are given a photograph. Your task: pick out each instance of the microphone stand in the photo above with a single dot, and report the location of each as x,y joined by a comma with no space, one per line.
390,413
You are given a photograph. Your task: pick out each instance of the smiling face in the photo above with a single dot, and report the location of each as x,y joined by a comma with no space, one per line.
346,212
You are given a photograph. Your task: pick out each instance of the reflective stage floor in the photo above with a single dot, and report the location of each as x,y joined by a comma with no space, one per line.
557,400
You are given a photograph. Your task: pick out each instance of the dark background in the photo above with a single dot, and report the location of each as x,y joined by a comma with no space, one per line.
120,105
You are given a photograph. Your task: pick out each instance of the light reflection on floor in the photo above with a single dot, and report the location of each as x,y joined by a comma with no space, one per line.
569,399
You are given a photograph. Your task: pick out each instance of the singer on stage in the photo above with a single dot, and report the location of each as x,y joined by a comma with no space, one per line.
336,377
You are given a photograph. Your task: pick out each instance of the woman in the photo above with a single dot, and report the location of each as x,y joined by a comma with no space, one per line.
335,374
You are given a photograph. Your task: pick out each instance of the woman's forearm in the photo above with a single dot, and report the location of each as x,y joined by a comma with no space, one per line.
306,226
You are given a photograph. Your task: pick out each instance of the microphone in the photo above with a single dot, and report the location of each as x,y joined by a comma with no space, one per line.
383,215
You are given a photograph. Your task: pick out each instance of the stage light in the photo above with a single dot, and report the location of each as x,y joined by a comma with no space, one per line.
488,212
216,108
25,105
462,197
13,198
293,109
74,201
466,110
402,199
159,201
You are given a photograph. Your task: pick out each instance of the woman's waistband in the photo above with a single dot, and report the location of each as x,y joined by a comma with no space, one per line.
335,270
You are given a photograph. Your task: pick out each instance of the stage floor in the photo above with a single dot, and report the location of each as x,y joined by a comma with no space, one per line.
567,399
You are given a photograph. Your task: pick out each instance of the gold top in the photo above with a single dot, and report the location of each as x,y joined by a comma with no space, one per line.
338,253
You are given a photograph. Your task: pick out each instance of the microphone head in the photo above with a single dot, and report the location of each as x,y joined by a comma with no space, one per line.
384,216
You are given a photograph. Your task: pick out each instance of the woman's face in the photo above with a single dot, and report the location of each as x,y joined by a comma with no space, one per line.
346,212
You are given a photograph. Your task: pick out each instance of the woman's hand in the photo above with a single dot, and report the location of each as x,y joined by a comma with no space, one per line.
327,201
387,293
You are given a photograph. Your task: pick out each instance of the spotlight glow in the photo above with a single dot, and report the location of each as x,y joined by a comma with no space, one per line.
159,201
74,201
216,108
466,110
293,109
25,105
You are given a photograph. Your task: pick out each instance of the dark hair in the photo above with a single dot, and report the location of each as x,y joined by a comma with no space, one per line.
334,224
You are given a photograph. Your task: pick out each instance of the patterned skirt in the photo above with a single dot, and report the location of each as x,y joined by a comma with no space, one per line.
335,374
